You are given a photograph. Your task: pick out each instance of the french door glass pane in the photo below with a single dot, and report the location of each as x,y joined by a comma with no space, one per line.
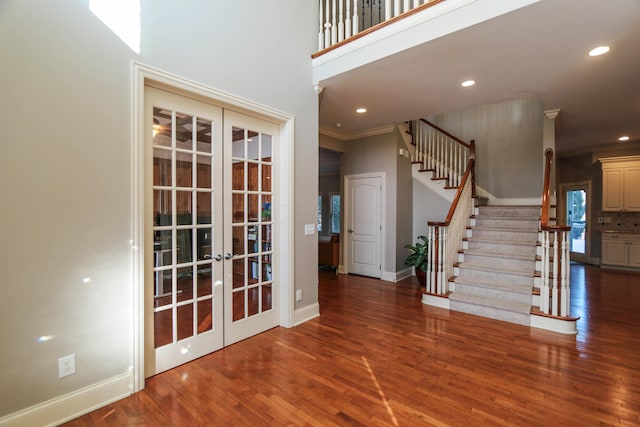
183,270
252,216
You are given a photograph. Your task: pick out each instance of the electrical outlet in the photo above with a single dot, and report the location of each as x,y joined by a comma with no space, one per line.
66,365
299,295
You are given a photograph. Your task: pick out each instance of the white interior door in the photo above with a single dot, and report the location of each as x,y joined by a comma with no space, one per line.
208,229
364,225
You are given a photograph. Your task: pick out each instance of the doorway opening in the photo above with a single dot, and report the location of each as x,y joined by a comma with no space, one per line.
577,214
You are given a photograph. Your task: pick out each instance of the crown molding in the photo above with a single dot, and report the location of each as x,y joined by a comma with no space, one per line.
343,136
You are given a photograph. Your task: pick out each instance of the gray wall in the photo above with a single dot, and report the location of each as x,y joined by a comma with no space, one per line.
404,204
378,154
508,139
65,168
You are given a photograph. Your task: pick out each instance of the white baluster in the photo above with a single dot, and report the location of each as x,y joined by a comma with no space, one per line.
544,286
443,268
321,30
347,24
396,7
406,5
554,275
327,26
341,21
431,148
430,263
334,26
564,278
387,9
355,17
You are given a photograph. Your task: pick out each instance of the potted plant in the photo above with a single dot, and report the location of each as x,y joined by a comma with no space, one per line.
418,258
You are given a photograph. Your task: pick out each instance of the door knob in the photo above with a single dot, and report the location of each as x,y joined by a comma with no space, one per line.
228,256
218,257
350,230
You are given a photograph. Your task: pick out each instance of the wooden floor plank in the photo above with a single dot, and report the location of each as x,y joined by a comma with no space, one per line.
378,356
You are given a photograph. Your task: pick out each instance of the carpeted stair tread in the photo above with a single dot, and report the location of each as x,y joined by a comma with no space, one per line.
515,307
494,284
465,267
492,254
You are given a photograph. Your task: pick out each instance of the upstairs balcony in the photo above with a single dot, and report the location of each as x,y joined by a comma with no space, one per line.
353,33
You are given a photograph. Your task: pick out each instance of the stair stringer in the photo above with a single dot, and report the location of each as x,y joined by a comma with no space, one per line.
435,185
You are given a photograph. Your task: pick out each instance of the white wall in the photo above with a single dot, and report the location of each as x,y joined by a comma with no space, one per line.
65,166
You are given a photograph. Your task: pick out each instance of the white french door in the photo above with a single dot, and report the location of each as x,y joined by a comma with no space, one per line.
208,270
250,299
364,225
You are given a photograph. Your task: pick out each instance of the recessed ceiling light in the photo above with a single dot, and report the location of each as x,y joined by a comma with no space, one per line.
600,50
361,110
623,138
468,83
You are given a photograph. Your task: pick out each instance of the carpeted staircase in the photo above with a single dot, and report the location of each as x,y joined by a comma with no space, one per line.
495,275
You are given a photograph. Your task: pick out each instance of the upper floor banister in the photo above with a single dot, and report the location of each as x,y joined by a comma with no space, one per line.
341,20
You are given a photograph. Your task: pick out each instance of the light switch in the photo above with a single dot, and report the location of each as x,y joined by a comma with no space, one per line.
309,229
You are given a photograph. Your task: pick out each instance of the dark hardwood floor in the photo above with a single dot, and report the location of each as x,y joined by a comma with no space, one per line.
377,356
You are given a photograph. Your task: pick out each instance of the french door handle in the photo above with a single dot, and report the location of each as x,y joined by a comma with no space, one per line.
218,257
228,256
350,230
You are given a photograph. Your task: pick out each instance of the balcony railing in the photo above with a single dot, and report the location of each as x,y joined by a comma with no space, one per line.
340,20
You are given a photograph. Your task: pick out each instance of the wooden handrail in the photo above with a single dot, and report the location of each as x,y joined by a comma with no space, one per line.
455,138
376,27
546,189
456,199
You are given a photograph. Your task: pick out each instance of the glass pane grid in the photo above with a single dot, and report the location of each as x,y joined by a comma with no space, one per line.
182,231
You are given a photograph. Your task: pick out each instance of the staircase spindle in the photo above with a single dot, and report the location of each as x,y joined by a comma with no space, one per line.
406,6
355,18
327,25
387,9
341,21
564,283
347,23
321,29
396,8
334,26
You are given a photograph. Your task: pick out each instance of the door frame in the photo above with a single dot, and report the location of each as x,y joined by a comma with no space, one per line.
283,257
347,212
562,213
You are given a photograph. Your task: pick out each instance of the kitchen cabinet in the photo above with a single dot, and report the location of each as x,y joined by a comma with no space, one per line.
621,184
621,249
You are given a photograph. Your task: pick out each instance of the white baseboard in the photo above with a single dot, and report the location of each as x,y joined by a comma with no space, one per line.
389,276
72,405
568,327
305,314
435,301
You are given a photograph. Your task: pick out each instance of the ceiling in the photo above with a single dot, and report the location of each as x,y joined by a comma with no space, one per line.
537,52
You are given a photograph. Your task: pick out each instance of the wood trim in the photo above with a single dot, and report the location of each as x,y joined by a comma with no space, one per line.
455,138
376,27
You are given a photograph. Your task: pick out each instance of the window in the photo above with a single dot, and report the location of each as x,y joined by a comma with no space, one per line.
320,212
335,213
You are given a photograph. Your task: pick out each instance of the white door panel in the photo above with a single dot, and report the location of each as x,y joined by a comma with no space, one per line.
364,226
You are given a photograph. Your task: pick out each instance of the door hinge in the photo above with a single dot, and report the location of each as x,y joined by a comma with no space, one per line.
380,267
